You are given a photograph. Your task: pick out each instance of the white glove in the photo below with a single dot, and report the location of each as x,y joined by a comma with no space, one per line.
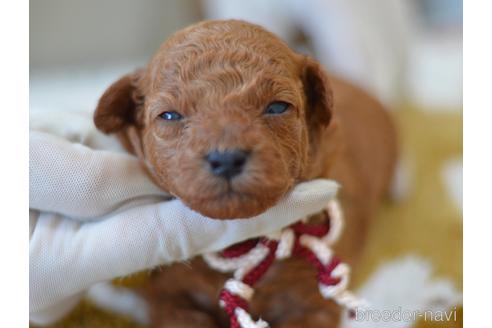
95,216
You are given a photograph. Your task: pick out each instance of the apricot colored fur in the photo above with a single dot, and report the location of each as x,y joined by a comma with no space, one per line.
220,75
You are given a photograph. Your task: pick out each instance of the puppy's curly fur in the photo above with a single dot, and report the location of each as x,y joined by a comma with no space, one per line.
220,76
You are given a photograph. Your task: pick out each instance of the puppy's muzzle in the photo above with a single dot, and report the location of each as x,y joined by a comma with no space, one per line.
227,164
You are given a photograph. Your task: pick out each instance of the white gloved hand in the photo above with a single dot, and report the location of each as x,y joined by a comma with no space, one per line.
95,216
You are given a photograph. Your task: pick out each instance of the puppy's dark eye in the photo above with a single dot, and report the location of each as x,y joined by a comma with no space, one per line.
171,116
277,107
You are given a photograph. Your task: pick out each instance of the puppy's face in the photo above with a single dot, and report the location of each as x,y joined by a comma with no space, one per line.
222,117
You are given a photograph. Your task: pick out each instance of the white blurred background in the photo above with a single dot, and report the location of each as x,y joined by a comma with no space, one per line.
399,50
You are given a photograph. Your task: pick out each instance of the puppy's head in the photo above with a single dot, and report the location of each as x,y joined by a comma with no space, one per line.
222,117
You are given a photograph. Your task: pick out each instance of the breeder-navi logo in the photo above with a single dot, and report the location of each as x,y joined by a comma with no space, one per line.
404,315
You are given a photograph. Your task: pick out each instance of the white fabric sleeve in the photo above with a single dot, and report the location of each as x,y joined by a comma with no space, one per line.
123,225
69,256
80,182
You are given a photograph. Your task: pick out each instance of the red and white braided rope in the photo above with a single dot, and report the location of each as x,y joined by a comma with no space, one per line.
251,259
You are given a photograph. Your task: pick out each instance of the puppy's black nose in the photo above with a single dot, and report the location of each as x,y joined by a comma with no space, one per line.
228,163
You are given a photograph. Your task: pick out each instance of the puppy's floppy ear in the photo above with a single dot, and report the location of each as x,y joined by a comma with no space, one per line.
118,105
318,93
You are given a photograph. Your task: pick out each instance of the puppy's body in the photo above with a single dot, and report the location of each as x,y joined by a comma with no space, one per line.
221,75
363,142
